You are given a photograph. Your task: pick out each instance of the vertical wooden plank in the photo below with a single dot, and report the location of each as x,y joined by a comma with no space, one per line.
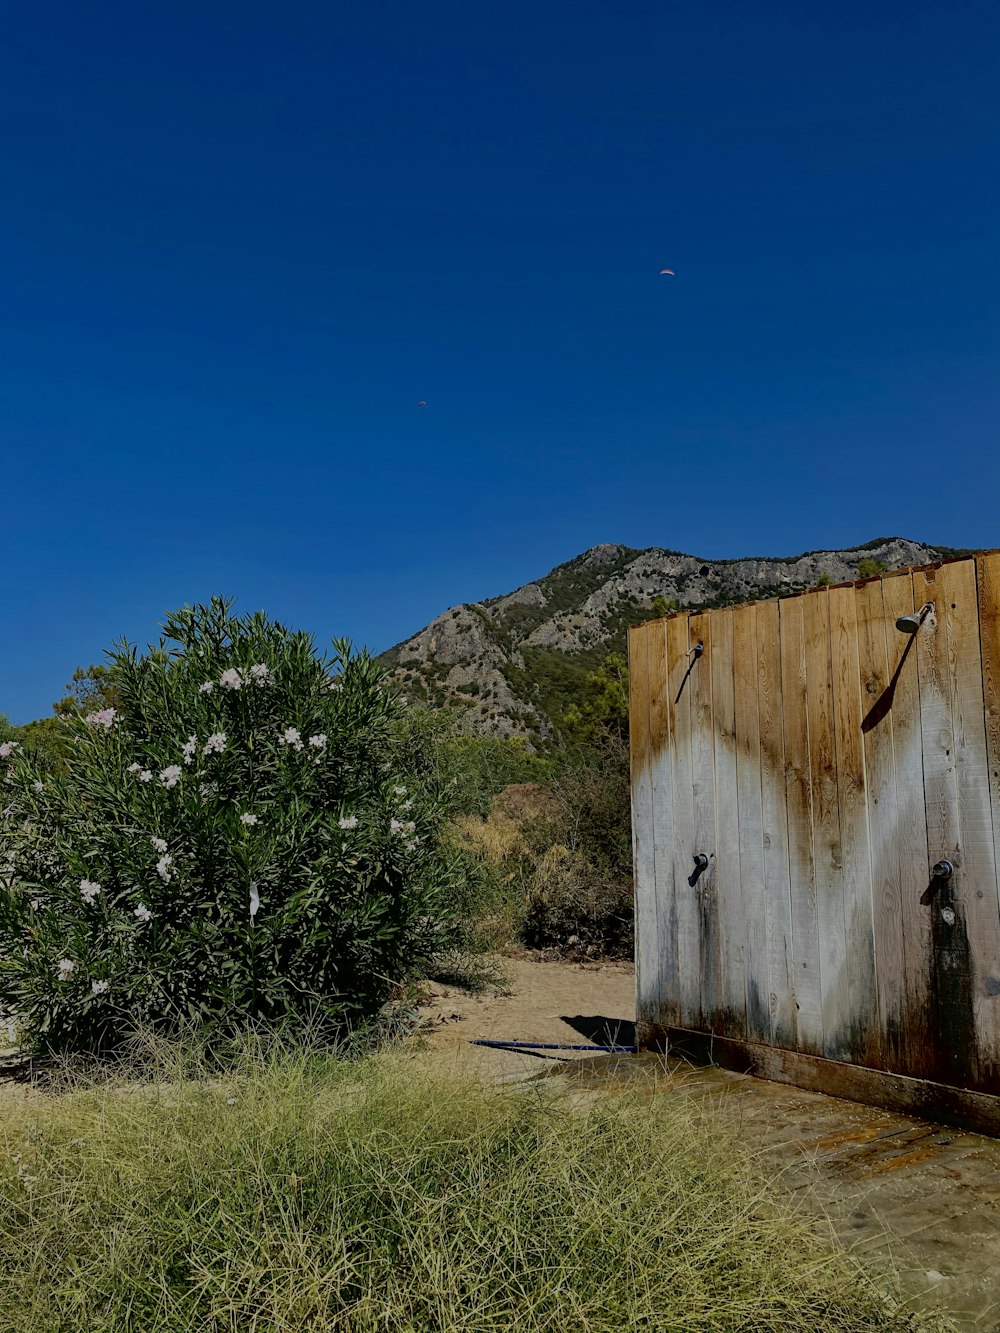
646,980
703,795
909,834
729,1019
774,823
679,725
827,856
751,821
667,988
951,1058
856,872
807,981
988,588
958,600
883,823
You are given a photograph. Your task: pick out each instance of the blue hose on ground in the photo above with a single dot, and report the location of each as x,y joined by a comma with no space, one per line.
553,1046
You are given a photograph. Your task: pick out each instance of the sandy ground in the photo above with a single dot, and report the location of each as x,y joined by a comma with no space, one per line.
573,1003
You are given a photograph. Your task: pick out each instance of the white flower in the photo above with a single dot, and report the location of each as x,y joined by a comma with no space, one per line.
207,687
8,748
231,679
65,968
143,913
349,821
291,736
158,844
248,819
216,743
171,776
334,686
190,749
406,805
399,791
254,900
134,768
411,846
395,826
89,891
260,674
146,775
104,717
318,742
163,868
38,785
98,987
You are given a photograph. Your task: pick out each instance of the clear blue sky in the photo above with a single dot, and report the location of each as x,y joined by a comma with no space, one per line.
239,243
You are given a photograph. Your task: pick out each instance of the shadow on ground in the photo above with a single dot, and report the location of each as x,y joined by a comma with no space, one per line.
600,1030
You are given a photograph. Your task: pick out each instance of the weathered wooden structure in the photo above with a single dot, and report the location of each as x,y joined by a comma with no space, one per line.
839,779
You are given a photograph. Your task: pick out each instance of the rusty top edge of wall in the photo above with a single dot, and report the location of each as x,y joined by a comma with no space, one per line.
827,587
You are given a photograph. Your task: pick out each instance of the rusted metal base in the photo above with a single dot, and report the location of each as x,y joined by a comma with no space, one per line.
978,1111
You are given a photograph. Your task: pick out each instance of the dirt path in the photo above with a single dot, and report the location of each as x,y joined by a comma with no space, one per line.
574,1003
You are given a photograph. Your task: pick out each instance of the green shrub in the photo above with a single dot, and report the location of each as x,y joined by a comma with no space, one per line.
236,839
437,746
299,1193
662,606
869,568
593,785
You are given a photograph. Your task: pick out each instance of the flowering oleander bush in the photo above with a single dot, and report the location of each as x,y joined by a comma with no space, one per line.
235,840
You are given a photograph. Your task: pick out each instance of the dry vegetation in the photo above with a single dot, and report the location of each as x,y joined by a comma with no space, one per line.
546,885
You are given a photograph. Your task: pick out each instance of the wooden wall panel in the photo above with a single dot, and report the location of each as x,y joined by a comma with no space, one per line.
703,795
988,593
824,761
647,928
883,822
666,988
729,1019
958,608
751,830
827,855
950,1059
807,986
685,897
988,589
774,828
855,881
909,836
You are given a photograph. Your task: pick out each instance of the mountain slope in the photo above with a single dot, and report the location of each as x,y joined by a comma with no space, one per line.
515,662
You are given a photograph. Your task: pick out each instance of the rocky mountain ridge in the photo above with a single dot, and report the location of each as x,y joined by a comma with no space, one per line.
512,662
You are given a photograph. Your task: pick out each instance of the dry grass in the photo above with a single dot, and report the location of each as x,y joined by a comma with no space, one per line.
299,1192
499,842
